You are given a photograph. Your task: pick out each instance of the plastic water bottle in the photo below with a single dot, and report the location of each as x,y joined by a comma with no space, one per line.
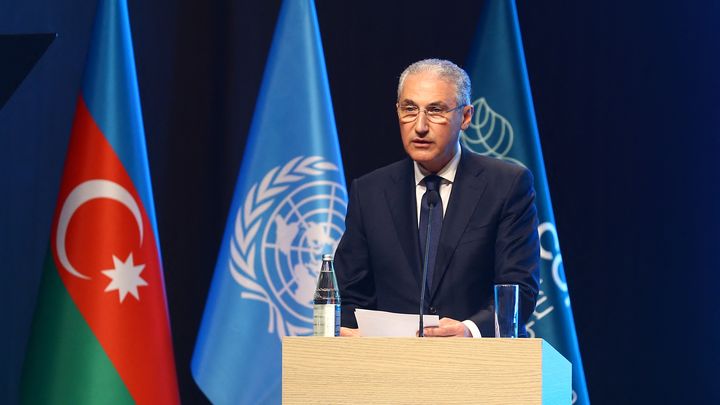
326,303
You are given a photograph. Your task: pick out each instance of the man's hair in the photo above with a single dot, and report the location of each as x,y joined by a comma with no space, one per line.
446,70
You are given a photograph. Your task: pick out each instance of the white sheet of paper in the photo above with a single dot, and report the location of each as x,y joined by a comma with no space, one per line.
381,323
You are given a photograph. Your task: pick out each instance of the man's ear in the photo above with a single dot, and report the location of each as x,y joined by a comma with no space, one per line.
468,111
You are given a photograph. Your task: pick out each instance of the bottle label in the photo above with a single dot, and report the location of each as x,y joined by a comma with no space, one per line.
326,320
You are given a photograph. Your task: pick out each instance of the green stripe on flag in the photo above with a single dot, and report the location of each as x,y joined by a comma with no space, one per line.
65,363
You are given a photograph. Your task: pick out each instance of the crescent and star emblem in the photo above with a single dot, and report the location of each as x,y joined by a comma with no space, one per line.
125,275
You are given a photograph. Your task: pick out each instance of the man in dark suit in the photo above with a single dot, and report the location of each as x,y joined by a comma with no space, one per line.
485,218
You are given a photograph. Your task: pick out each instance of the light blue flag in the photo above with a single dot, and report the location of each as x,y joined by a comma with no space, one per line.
504,127
288,209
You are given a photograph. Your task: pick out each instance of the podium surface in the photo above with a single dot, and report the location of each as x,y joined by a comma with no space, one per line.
423,370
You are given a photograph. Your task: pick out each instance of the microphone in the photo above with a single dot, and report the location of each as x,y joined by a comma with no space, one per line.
432,200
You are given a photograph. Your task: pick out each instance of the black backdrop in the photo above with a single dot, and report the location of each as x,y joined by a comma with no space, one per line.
626,96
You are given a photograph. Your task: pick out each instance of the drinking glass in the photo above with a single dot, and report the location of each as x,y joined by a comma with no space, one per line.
506,310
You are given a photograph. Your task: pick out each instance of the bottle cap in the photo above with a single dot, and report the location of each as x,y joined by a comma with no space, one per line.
327,257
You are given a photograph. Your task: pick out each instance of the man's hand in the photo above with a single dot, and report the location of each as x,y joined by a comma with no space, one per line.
349,332
448,327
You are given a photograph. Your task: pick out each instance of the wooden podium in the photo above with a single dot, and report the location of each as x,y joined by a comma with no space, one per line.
371,370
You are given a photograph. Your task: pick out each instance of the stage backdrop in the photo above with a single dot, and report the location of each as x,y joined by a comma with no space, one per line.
626,98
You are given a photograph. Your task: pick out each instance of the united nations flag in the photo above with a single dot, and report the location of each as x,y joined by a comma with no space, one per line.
504,127
288,209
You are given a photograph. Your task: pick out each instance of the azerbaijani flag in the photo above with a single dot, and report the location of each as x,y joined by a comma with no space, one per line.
101,332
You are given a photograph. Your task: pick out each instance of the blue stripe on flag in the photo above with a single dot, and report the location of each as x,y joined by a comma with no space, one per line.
110,90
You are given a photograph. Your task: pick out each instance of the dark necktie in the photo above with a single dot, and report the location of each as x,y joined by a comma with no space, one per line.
432,184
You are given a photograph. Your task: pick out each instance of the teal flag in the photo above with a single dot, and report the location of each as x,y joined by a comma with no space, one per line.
504,127
288,209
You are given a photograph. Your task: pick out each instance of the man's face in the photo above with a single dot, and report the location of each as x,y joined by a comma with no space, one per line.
430,144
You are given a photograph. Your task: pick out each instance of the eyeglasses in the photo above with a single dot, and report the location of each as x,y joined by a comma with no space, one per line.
434,114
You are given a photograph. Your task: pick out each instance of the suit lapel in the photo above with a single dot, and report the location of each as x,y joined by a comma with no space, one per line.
403,207
467,190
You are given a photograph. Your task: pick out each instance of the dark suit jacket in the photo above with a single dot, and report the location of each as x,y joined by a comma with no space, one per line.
489,236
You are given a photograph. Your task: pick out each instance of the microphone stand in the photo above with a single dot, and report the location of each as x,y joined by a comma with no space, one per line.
431,204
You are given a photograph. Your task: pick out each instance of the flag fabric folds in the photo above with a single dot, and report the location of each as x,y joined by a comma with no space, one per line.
504,127
101,331
288,209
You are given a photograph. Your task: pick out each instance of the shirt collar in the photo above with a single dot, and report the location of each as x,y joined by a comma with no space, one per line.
447,173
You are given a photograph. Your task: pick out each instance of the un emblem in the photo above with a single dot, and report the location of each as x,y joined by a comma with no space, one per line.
287,221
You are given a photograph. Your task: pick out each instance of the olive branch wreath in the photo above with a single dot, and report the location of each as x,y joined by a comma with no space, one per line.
248,222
